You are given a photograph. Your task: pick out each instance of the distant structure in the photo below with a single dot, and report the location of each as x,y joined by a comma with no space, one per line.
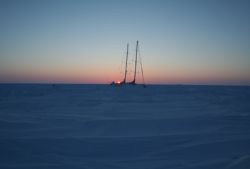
126,67
133,82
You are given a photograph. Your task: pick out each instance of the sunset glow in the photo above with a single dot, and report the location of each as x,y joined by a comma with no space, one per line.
195,42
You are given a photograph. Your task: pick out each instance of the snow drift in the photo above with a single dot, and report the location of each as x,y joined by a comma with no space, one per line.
100,126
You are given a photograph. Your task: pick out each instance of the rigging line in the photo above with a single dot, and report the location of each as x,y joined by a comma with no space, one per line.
141,66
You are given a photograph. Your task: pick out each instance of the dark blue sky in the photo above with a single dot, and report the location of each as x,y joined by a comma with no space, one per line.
181,41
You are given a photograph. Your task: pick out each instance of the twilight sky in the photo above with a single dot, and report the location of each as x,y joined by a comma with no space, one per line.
69,41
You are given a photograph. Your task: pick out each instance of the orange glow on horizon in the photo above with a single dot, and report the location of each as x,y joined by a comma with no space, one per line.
106,76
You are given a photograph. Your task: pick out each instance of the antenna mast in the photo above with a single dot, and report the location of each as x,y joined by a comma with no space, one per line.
126,70
137,44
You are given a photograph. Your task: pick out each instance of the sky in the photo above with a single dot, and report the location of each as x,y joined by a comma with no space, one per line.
70,41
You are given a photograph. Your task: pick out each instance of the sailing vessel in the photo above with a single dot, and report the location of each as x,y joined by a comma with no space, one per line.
133,82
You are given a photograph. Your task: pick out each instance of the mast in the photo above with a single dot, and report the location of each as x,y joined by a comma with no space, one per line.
136,52
126,70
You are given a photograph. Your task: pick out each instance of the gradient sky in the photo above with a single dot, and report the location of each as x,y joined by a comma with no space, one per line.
181,41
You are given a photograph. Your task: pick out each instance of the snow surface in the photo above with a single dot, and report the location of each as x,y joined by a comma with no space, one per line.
130,127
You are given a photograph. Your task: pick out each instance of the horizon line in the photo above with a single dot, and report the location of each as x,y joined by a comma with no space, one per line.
150,84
